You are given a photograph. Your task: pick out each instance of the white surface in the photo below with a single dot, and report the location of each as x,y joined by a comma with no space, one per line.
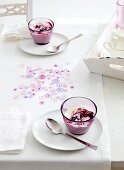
28,45
63,142
86,84
13,130
76,11
36,155
78,47
114,100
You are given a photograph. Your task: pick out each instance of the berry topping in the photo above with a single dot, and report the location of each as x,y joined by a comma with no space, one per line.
42,26
81,114
37,26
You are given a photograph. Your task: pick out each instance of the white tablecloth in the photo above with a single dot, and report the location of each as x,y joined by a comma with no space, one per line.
36,156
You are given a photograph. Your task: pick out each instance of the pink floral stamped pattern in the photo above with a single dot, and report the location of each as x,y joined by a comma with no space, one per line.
45,84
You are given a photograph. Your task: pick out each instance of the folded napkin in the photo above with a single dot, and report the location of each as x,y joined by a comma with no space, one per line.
13,130
17,32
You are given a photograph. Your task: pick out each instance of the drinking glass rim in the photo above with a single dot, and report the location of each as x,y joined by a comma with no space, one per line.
81,120
40,18
119,4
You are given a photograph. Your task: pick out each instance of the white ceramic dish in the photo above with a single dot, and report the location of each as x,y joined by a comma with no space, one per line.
62,142
28,45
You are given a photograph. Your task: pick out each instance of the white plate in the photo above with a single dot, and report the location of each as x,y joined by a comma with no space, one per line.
28,45
62,142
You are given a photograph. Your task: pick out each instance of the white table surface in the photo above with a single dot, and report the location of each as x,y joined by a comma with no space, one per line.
114,100
35,154
113,88
97,11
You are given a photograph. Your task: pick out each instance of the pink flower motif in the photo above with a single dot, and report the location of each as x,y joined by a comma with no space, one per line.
72,87
42,76
47,95
51,83
15,89
55,65
42,102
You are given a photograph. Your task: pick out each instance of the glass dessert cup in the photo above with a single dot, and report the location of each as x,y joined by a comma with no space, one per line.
78,114
41,30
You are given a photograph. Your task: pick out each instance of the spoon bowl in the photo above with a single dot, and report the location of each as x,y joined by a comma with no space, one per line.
56,128
55,49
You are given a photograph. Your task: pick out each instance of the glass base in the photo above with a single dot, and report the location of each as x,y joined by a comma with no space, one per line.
42,43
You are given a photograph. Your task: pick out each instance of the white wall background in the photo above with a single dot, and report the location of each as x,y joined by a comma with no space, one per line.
72,11
80,10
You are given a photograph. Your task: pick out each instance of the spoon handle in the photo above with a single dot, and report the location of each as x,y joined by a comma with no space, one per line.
77,36
83,142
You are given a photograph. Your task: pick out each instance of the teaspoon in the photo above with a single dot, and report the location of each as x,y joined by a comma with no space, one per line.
56,128
54,49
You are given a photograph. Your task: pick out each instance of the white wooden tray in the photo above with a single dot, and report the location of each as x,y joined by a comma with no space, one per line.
108,66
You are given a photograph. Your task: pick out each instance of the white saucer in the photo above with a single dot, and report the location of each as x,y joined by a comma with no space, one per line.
62,142
28,45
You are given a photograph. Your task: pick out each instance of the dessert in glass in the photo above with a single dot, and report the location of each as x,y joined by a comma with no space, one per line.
78,114
41,30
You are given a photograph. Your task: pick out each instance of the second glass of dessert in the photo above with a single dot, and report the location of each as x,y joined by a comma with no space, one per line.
41,30
78,114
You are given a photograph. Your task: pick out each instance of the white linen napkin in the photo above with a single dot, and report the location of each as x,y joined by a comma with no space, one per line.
17,32
13,130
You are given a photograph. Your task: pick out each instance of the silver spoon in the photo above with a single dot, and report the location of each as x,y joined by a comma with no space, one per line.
56,128
54,49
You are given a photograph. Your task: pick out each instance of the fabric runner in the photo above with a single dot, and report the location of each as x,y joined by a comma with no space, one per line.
16,83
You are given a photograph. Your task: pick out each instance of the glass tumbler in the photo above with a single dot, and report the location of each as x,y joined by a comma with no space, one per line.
78,114
41,30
